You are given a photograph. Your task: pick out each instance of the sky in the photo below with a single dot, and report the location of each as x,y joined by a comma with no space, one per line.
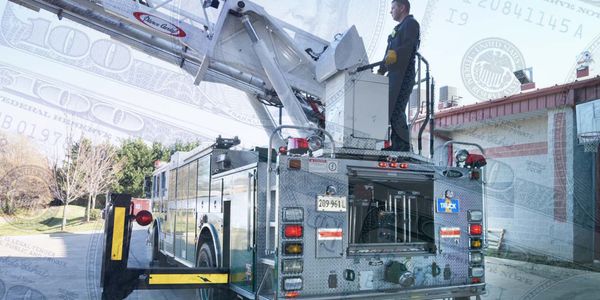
56,80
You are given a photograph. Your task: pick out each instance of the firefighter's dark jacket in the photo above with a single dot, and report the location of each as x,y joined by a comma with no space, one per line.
405,41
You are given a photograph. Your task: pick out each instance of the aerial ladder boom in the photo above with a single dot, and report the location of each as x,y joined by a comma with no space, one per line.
237,43
242,47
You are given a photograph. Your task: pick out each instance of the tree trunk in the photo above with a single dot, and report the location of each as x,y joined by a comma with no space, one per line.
64,218
94,201
88,211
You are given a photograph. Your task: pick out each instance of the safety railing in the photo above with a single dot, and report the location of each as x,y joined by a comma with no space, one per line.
429,100
268,248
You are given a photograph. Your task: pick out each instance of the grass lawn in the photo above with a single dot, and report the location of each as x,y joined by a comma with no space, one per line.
48,220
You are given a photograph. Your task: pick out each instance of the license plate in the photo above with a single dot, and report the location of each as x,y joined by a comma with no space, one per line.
331,203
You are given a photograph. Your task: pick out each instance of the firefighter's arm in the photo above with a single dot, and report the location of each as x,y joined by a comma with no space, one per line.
383,66
382,69
408,42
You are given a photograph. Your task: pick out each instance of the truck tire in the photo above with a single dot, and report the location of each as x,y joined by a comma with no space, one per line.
158,259
206,258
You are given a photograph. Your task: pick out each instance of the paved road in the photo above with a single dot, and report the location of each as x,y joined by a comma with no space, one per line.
66,266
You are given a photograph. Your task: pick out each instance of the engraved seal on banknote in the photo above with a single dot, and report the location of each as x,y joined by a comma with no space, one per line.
487,68
11,188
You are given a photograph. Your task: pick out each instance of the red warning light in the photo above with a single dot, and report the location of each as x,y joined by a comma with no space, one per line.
143,218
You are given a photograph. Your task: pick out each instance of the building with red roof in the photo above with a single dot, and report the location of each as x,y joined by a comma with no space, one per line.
543,189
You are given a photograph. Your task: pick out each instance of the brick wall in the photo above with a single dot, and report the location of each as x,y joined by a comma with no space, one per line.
559,140
539,183
528,189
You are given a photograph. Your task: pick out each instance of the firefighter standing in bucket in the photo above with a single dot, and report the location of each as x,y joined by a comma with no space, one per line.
399,63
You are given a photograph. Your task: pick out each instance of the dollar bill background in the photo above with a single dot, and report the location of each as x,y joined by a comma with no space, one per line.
59,76
474,45
56,75
547,36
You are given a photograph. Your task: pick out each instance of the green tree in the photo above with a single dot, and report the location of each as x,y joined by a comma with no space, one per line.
139,159
138,162
179,146
161,152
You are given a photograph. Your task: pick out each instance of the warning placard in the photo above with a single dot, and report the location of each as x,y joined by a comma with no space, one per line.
321,165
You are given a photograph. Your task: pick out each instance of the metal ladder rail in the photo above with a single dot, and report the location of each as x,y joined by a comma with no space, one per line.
429,100
268,249
270,245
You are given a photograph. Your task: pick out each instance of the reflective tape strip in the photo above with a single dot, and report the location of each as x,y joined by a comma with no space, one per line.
118,231
329,234
450,232
237,277
187,278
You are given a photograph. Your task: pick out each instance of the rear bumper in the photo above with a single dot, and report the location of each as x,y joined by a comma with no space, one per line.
427,293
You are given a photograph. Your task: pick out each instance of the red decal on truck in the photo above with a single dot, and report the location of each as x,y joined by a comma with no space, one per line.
450,232
329,233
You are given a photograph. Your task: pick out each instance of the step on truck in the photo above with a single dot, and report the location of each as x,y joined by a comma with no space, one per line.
323,214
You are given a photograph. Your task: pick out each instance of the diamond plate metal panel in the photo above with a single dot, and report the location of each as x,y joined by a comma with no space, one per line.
261,210
374,153
469,194
360,143
300,188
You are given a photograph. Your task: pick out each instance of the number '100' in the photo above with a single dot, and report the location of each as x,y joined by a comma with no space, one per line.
73,43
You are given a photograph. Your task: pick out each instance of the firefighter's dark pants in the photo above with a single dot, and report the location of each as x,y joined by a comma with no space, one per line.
401,86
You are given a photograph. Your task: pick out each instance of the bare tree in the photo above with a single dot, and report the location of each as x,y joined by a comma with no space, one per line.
103,165
23,175
69,175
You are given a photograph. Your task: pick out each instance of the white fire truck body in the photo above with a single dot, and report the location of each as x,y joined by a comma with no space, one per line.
324,216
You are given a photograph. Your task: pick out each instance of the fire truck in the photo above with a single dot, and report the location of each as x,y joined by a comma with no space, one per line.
321,214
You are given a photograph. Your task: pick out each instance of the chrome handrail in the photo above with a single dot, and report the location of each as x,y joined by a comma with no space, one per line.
268,249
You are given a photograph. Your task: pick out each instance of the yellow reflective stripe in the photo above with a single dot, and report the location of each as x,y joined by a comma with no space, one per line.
118,230
187,278
237,277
